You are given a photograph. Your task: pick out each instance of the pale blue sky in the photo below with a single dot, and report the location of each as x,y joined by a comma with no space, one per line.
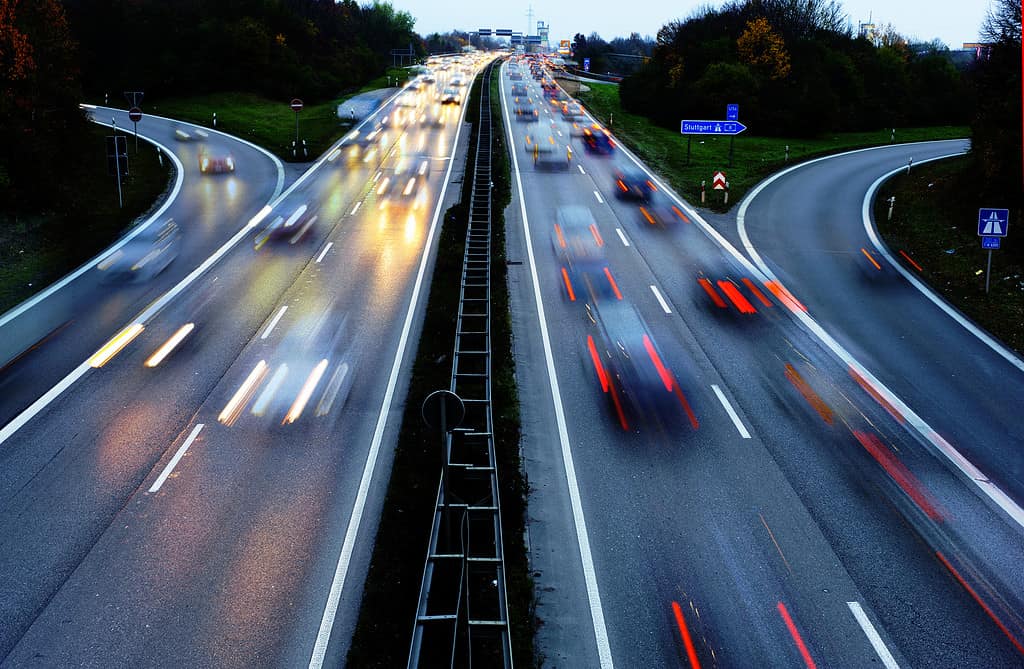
952,21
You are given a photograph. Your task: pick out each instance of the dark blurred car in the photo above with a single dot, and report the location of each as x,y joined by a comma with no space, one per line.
597,140
520,90
215,163
631,370
525,110
572,111
143,256
450,96
548,153
584,270
187,134
657,209
293,228
632,183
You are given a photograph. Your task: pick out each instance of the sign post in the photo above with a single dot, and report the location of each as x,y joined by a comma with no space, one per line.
135,114
296,106
732,113
993,225
117,158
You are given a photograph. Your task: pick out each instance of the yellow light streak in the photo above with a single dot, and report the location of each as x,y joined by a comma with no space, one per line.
169,345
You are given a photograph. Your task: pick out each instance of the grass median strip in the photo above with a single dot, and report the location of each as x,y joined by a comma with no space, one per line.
754,157
934,232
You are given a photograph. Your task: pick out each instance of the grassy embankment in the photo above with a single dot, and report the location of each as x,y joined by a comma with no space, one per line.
383,633
754,157
271,123
934,222
37,249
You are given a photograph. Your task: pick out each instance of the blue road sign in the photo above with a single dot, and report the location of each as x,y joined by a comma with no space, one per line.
586,65
990,242
711,127
732,112
993,222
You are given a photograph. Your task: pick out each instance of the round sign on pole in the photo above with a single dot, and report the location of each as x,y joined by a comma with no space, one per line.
296,105
443,410
135,114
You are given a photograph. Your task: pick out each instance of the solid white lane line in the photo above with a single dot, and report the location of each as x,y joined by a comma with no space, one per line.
327,248
356,208
323,635
604,651
869,630
177,456
581,168
732,412
598,196
996,346
273,322
661,300
625,242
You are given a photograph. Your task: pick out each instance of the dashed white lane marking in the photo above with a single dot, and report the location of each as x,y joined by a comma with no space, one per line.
356,208
876,641
598,196
661,300
324,252
177,456
625,242
732,412
581,169
273,322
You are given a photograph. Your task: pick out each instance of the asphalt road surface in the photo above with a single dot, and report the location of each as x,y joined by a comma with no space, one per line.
796,518
211,506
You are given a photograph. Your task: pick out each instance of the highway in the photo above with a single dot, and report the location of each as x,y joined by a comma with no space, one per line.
48,336
795,519
204,497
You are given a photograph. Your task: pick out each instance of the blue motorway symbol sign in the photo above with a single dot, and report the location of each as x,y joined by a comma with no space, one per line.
711,127
990,242
586,65
732,112
993,222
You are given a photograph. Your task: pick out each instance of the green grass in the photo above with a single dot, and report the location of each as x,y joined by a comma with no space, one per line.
934,221
38,248
754,157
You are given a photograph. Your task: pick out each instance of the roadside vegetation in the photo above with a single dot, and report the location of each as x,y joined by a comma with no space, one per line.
754,157
934,222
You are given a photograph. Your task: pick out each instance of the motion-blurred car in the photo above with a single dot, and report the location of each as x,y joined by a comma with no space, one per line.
450,96
406,183
520,90
597,140
632,183
216,163
525,110
143,256
572,111
187,134
292,228
547,152
631,371
657,209
584,270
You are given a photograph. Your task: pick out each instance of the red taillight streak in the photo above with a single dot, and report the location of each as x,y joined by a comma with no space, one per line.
649,218
710,290
561,239
736,297
622,186
680,214
611,280
568,285
797,639
870,389
686,407
977,598
691,652
812,397
910,260
618,409
785,296
651,185
869,257
898,472
601,374
757,293
597,235
666,376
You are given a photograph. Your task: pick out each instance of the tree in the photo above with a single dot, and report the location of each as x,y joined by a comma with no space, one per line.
762,48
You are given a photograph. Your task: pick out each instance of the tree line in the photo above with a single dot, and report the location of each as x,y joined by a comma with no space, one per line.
55,54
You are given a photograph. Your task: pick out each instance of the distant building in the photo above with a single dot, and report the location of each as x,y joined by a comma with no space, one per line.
869,32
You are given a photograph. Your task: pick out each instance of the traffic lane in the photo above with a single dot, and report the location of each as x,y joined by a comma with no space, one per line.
811,414
256,278
845,290
767,345
70,324
254,513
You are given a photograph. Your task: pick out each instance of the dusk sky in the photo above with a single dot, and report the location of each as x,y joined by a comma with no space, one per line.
952,21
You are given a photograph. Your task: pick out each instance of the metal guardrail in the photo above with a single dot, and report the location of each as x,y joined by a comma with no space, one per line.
462,615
